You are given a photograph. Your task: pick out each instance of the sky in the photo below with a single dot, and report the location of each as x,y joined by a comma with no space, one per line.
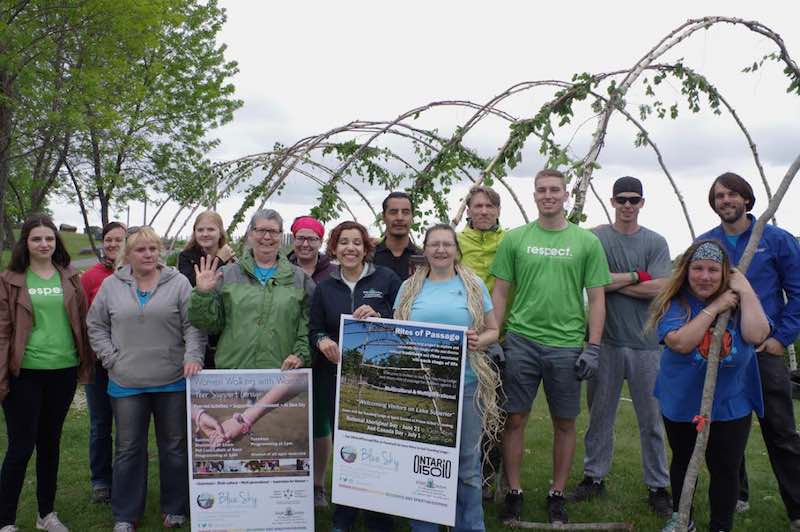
307,67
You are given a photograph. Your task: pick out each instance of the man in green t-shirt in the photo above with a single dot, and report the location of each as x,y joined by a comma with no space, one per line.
550,262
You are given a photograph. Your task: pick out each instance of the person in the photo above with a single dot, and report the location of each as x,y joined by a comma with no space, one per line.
640,264
208,240
139,328
550,261
258,306
469,305
396,250
703,287
308,232
44,352
101,418
478,243
775,276
364,290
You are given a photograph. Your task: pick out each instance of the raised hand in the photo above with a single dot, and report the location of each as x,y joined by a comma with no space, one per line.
726,301
206,274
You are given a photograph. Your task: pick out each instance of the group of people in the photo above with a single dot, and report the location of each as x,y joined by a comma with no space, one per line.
133,329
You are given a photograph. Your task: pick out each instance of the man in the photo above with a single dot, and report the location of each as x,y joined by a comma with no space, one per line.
550,261
775,276
640,264
396,249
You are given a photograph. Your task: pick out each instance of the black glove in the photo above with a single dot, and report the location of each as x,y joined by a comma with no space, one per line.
588,362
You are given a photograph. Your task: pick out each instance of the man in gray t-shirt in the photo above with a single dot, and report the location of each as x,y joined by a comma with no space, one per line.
638,259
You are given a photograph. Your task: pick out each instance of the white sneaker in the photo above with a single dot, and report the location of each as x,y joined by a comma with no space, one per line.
9,528
51,523
794,526
742,506
122,526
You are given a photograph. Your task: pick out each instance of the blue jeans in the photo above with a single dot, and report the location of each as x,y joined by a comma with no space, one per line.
132,419
469,506
101,420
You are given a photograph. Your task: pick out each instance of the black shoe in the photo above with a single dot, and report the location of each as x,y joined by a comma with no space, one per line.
512,509
588,489
660,502
557,509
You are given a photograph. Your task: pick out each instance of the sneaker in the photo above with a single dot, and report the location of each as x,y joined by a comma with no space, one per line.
9,528
557,509
660,502
794,526
101,494
586,490
320,497
672,524
742,506
122,526
51,523
174,520
512,510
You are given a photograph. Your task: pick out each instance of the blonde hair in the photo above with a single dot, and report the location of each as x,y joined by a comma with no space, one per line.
135,235
214,217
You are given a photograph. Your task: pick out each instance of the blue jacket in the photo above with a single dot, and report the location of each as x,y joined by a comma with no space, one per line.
775,269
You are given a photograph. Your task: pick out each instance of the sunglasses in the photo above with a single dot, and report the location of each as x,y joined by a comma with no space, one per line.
135,229
635,200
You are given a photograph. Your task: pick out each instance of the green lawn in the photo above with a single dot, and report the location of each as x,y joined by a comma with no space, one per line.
74,242
625,499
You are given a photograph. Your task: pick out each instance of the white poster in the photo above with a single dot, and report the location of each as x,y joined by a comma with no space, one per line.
398,415
250,451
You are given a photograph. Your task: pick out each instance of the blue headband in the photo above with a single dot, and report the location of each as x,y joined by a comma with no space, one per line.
707,251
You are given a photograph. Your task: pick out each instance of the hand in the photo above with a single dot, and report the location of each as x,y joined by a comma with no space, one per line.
209,425
233,429
292,362
727,300
772,347
365,311
588,362
225,253
331,351
738,282
206,274
472,340
191,368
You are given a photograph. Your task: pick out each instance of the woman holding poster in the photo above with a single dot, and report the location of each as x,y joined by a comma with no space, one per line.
420,299
364,290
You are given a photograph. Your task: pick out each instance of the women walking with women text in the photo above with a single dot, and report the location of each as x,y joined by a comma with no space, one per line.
703,287
140,330
420,298
44,351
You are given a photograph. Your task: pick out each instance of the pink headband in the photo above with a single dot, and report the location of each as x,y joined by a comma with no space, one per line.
307,222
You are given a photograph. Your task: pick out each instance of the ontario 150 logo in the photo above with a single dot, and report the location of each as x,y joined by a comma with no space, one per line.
432,467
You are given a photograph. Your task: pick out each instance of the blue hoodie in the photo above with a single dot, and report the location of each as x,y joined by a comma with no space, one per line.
775,269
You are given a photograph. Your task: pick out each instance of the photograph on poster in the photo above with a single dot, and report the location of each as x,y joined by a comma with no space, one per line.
400,382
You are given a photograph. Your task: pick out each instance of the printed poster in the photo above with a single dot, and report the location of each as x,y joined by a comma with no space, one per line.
250,451
398,415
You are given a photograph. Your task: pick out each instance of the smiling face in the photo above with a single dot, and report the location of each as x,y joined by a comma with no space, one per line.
265,239
440,249
112,242
41,243
482,212
142,254
728,204
306,244
705,278
625,210
350,251
550,194
397,217
207,233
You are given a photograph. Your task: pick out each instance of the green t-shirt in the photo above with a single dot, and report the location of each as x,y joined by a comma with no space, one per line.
550,269
50,344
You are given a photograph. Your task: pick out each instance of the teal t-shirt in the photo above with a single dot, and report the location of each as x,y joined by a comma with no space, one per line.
550,269
50,344
265,274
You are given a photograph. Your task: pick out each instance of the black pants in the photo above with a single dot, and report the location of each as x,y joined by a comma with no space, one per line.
779,432
726,443
35,408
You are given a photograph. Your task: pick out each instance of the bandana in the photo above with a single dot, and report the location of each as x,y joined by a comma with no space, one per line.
307,222
707,251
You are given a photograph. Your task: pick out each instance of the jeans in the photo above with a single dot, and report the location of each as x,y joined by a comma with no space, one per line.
132,420
101,420
779,432
35,408
469,506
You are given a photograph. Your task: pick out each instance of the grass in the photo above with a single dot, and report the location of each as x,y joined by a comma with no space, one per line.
74,243
625,499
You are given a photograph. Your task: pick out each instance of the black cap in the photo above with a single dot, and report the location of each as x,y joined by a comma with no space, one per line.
627,184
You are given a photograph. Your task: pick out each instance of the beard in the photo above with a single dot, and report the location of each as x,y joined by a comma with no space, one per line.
738,212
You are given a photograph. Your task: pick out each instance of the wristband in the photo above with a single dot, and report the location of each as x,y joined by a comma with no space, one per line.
707,312
634,277
247,426
643,276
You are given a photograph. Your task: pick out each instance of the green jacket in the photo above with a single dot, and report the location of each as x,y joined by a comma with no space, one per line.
259,326
477,251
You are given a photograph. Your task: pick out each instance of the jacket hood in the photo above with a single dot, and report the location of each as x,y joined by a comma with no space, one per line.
337,273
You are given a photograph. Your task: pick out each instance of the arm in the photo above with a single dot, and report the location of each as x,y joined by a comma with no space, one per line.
597,313
301,346
500,298
753,322
688,337
206,311
5,337
620,280
194,339
98,325
489,335
788,327
645,290
242,423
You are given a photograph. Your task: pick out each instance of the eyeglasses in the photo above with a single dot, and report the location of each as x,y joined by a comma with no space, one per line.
136,228
622,200
261,232
307,239
445,245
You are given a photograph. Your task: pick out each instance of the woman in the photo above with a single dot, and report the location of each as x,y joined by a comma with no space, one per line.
44,351
364,290
258,306
100,415
140,331
308,233
444,279
702,287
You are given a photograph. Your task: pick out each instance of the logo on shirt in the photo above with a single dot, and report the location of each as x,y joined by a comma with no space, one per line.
54,291
550,252
373,294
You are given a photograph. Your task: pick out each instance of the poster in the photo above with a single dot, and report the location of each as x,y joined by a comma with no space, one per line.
397,420
250,451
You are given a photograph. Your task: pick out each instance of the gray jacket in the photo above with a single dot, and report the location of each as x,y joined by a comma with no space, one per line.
144,346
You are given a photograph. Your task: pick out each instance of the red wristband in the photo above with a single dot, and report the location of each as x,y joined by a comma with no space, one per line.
643,276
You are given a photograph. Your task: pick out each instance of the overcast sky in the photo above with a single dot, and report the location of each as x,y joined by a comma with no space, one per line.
306,67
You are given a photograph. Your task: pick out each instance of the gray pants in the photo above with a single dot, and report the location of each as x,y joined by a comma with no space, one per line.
640,368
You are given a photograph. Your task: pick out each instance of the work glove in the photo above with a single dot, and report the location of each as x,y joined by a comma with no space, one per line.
588,362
